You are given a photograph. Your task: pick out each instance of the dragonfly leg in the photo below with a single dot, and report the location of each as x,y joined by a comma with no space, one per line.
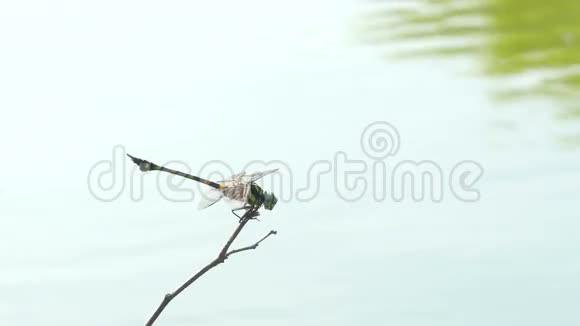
246,208
253,215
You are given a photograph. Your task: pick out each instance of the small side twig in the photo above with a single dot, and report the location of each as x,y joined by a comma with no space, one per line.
221,258
252,247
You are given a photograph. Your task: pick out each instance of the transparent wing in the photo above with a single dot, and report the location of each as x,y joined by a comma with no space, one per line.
234,177
209,198
243,178
255,176
233,203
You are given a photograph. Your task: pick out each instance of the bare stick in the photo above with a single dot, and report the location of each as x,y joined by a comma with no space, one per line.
252,247
223,255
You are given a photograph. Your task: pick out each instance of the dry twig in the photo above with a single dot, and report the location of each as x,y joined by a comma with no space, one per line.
221,258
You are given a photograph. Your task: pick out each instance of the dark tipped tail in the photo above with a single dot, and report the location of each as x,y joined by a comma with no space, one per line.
144,165
148,166
135,160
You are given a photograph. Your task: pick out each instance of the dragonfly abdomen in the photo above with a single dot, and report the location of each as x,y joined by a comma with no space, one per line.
192,177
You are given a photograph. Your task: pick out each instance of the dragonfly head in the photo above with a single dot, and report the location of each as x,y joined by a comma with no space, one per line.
269,201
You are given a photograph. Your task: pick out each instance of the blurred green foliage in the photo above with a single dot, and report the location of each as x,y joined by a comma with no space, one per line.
537,38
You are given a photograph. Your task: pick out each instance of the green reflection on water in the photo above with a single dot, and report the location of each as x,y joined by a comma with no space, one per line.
509,38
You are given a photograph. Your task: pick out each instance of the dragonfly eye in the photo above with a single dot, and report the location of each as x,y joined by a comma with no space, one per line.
270,201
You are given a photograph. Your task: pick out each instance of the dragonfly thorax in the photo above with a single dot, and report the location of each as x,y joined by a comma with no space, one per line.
258,197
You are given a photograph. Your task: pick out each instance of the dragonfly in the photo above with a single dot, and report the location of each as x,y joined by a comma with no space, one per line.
241,188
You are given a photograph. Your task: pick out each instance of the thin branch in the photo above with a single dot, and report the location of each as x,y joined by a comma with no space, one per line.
223,255
252,247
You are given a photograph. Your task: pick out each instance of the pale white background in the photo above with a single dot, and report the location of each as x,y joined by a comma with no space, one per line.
197,81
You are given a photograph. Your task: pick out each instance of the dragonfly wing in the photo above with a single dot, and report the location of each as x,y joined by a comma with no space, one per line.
256,176
234,178
234,203
210,197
